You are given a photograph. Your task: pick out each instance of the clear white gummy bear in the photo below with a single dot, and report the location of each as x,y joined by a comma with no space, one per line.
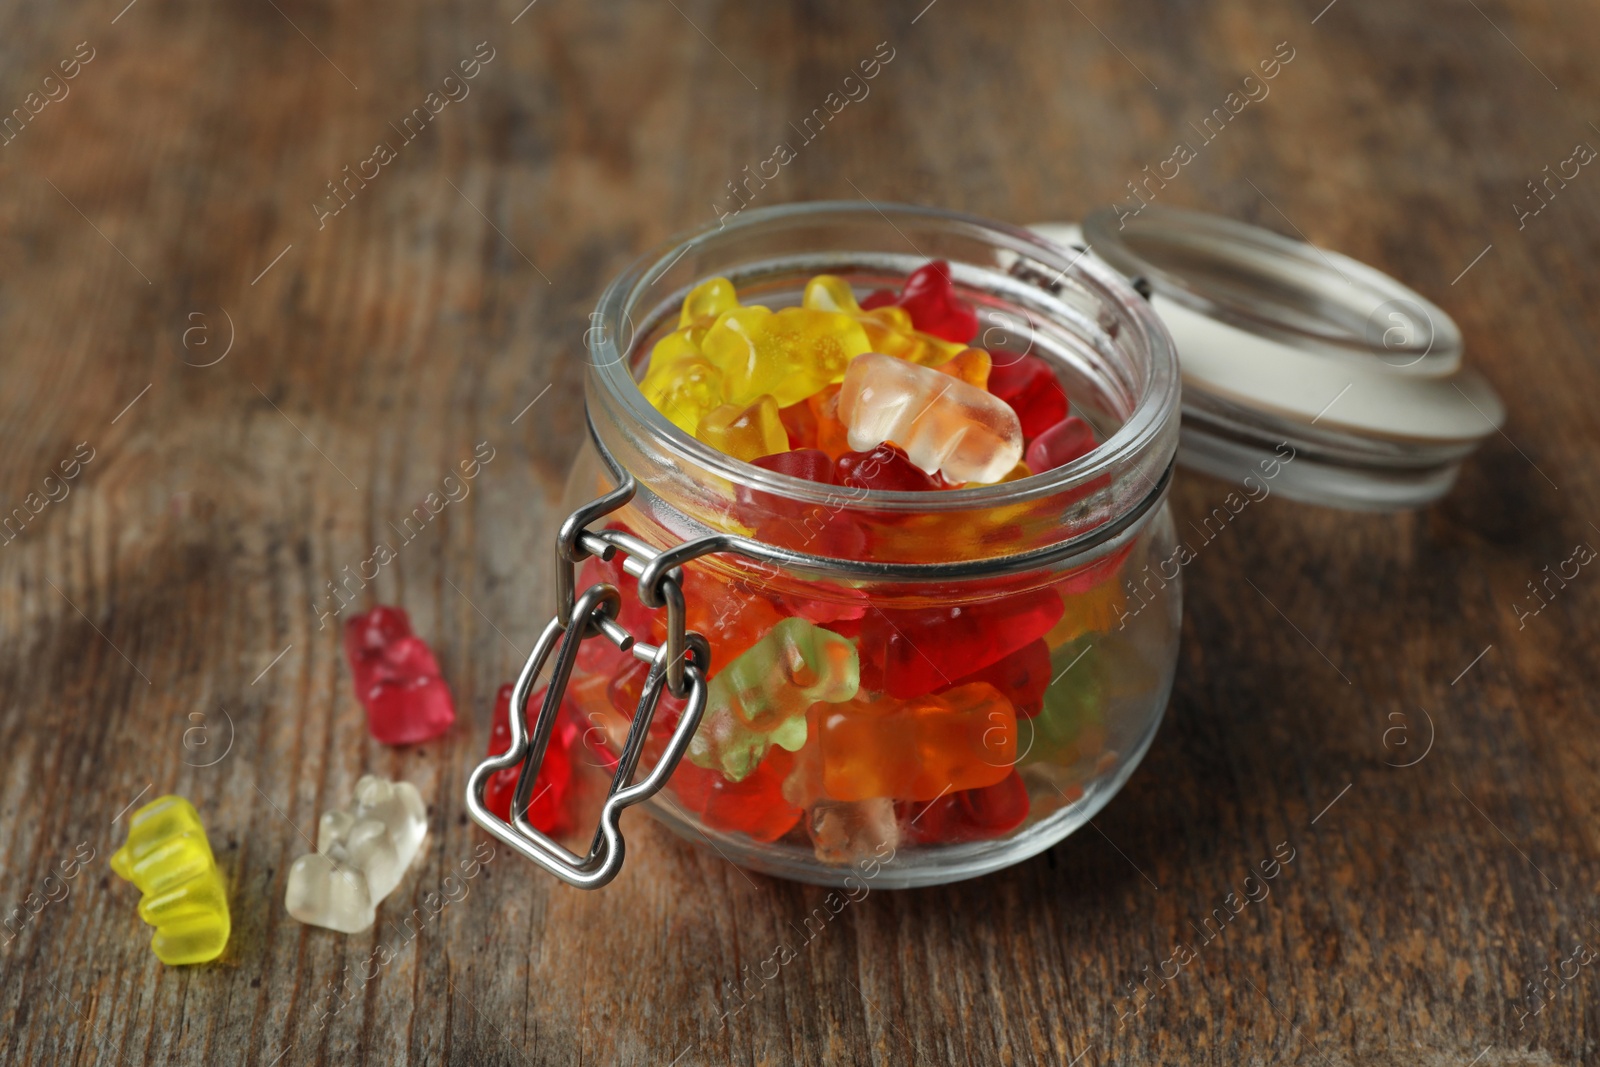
944,424
362,853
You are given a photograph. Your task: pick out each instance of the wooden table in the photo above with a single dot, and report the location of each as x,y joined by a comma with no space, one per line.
256,377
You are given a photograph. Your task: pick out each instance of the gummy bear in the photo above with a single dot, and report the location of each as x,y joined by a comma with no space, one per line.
1031,388
818,528
760,699
799,424
362,853
1019,472
915,749
848,831
690,786
788,354
397,678
366,635
729,614
970,365
753,806
821,529
1062,443
744,433
1021,678
930,298
968,815
1071,707
1092,575
889,329
547,805
884,467
943,424
626,689
831,434
840,609
680,382
182,893
704,303
812,464
908,652
1099,607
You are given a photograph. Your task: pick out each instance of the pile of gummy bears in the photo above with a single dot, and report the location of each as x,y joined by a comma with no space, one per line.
847,727
886,394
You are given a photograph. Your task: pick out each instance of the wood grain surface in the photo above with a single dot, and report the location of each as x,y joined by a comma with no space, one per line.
263,385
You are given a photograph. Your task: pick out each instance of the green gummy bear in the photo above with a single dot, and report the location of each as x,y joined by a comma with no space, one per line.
760,699
1072,702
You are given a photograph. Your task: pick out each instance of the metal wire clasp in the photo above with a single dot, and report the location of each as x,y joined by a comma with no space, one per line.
680,665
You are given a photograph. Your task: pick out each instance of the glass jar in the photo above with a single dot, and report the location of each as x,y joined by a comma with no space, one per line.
970,675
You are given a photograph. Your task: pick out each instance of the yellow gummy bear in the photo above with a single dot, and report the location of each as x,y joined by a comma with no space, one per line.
1019,472
788,354
888,329
745,433
686,392
184,898
680,383
706,301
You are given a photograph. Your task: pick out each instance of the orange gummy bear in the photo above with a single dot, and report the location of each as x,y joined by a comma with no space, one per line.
830,434
970,365
916,749
728,614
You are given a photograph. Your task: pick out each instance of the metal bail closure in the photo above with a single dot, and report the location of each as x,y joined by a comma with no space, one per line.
593,614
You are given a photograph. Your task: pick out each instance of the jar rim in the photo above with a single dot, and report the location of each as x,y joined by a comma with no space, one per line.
1144,428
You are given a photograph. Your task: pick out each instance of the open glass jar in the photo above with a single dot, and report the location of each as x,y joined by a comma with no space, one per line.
821,682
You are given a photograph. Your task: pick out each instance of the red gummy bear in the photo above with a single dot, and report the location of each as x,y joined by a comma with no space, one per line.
839,609
949,642
548,807
969,815
1021,678
819,529
800,423
812,464
885,467
1029,385
397,678
1067,440
1087,577
690,786
931,300
753,806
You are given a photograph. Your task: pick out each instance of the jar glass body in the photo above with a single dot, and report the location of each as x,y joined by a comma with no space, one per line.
1010,648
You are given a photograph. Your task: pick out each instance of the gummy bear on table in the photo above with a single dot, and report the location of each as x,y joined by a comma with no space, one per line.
397,678
362,853
182,893
853,723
